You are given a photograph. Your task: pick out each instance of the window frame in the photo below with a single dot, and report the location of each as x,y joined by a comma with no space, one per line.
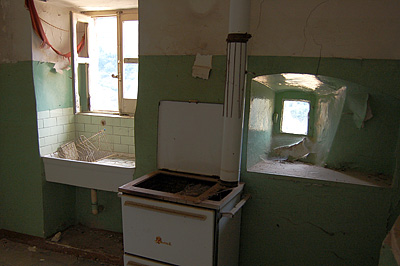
293,96
126,106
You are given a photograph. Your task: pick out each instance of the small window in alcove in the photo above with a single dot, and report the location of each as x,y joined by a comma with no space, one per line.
295,116
307,126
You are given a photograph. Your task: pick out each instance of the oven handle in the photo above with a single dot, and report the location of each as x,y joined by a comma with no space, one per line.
166,210
231,213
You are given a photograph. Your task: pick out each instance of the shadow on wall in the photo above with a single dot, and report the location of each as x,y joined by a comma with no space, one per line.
321,121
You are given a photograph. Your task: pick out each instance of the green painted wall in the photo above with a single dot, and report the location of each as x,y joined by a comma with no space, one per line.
109,216
370,148
288,221
262,104
53,90
21,180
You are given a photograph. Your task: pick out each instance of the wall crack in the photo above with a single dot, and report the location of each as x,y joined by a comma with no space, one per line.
317,226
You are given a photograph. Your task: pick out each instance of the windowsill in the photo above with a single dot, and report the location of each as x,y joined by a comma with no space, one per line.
301,170
105,114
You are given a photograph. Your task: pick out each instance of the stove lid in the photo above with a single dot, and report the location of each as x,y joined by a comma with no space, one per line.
190,137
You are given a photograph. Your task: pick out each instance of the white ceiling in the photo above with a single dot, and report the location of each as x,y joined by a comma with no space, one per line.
95,5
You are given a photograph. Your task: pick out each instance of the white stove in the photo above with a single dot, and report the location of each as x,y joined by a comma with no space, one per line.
182,214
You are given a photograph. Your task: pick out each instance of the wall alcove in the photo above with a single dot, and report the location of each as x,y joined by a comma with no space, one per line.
323,128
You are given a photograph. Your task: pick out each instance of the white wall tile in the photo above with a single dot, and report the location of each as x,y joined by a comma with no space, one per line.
79,127
43,114
41,142
50,140
62,120
56,130
127,122
71,118
85,134
96,120
56,112
55,146
49,122
126,140
68,111
132,149
121,148
131,131
84,119
64,138
40,123
113,121
109,129
45,150
69,128
44,132
114,139
91,128
121,131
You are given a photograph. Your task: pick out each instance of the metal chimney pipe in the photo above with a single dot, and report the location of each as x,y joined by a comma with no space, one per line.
235,84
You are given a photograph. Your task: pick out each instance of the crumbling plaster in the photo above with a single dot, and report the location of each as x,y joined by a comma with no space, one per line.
327,28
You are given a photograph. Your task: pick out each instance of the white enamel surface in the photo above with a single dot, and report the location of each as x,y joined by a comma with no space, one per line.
189,137
233,112
88,175
130,260
183,240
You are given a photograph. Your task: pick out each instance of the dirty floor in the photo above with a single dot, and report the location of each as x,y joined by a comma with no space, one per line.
82,246
76,246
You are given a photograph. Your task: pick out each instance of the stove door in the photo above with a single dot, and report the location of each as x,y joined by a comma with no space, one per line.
168,232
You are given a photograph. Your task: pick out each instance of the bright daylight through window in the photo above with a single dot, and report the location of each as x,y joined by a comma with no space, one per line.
295,117
106,76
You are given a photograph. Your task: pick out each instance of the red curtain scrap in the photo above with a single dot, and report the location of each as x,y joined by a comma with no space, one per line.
38,28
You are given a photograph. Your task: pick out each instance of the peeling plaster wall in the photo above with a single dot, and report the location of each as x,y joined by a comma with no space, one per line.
330,28
194,27
288,221
327,28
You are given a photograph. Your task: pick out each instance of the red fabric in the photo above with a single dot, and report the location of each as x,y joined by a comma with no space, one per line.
38,28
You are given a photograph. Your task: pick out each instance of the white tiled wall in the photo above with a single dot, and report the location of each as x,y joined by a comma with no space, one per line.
60,126
55,127
119,130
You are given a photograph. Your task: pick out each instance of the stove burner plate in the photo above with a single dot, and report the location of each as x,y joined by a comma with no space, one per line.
182,188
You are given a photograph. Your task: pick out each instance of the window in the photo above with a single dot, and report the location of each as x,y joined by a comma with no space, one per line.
295,117
106,71
294,113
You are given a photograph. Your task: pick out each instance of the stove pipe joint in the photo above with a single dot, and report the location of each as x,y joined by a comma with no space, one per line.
235,85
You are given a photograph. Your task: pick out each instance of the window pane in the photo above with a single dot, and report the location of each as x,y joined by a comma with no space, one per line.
131,50
131,76
81,30
103,87
295,117
130,31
